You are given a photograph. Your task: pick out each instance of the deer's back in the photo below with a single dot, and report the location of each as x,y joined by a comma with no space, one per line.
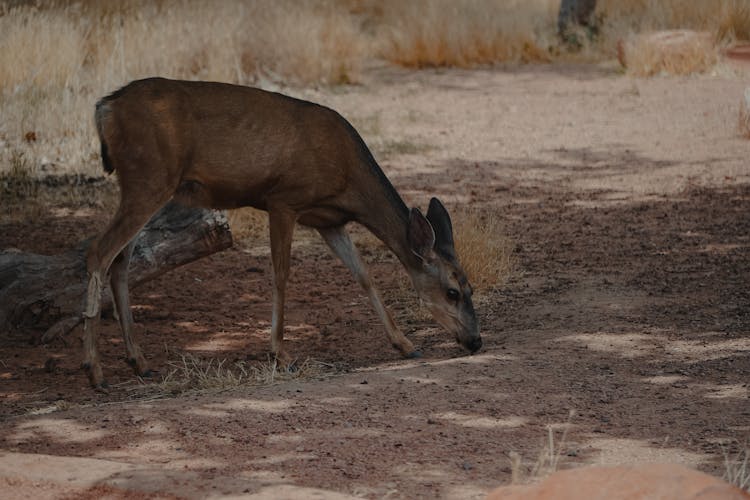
244,146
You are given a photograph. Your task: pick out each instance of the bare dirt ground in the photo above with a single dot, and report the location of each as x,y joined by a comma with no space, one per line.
627,202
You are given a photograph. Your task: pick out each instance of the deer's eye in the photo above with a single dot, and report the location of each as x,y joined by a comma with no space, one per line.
452,294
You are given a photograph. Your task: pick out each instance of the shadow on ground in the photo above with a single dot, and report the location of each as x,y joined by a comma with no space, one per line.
633,314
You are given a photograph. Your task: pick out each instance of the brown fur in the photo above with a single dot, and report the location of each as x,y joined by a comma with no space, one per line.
225,146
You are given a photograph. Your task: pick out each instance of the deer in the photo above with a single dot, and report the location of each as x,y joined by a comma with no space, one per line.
223,146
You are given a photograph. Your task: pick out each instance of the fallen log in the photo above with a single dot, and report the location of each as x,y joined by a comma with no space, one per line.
42,295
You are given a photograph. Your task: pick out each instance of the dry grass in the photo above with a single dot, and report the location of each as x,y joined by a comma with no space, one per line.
550,456
57,60
734,21
250,232
26,197
484,250
551,453
189,374
428,33
726,20
632,25
17,184
743,121
737,467
231,41
59,405
59,57
485,253
249,226
192,374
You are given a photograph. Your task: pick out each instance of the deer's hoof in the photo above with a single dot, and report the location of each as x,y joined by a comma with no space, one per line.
291,367
140,367
101,387
285,362
414,355
95,376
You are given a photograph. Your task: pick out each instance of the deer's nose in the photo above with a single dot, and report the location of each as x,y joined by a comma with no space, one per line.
474,344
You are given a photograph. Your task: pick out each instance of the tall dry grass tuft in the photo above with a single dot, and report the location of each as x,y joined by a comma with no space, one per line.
427,33
725,19
17,184
231,41
550,455
41,48
316,43
737,467
743,122
484,250
249,226
734,21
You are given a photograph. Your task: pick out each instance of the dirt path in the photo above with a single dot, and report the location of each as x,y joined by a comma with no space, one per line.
628,203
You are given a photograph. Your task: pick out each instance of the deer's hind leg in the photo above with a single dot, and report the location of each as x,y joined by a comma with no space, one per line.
118,282
136,208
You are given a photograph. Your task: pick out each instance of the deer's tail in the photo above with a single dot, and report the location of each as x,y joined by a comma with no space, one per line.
101,115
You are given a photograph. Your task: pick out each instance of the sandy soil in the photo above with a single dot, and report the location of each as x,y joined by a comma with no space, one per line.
627,202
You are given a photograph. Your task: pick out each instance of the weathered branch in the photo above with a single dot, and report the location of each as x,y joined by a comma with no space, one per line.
44,293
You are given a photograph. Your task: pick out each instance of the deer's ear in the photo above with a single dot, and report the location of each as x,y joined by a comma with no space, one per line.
440,221
421,235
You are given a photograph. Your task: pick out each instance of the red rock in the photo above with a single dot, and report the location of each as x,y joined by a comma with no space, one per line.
625,482
670,51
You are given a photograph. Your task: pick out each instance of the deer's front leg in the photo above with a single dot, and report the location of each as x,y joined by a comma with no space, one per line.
281,223
338,240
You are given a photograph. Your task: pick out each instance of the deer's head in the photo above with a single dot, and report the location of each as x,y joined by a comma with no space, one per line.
438,277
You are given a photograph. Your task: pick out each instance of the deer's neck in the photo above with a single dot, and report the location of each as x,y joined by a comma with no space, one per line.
387,217
383,210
